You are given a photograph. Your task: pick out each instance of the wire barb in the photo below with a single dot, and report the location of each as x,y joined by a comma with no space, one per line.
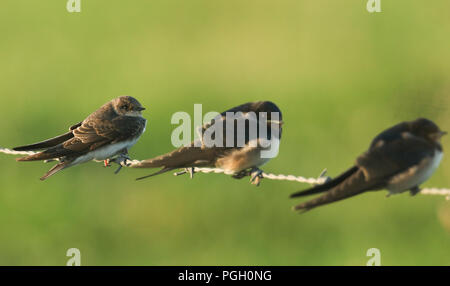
255,174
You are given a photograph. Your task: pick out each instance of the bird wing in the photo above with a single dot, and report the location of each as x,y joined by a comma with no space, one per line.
195,156
373,170
351,186
49,142
389,135
256,107
93,134
388,160
328,185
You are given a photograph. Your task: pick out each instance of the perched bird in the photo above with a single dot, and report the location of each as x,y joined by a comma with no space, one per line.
109,131
236,159
399,159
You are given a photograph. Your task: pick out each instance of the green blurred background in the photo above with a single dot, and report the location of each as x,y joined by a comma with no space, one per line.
339,74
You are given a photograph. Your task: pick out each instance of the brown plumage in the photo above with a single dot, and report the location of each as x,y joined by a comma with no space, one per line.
399,159
184,157
351,184
235,159
112,129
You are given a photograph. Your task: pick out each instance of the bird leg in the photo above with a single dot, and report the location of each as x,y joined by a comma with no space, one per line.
254,173
121,160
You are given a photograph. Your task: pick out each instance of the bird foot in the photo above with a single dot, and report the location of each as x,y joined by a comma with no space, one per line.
107,163
122,160
241,174
254,173
256,176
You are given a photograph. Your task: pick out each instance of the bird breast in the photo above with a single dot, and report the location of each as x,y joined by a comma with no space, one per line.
415,175
106,152
248,157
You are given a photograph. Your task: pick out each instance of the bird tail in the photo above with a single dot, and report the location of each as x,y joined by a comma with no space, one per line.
55,169
37,157
46,144
183,157
163,170
52,153
352,185
326,186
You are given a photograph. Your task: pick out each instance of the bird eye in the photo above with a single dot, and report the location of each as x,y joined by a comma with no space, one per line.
124,107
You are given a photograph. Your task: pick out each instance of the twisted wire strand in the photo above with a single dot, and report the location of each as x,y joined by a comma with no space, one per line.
280,177
12,152
312,181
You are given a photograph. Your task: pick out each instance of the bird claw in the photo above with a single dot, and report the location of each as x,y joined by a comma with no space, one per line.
256,176
122,160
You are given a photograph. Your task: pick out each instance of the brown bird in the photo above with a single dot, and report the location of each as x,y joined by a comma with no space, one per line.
234,159
399,159
111,130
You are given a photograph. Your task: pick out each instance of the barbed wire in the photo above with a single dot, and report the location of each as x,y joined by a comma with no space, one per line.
256,174
12,152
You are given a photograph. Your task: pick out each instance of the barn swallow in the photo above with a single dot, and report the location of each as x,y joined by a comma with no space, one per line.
399,159
109,131
236,159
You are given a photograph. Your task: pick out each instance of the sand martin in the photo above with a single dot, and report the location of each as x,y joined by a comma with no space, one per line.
237,159
109,131
399,159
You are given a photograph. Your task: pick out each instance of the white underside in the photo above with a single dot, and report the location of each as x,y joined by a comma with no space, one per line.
108,151
105,152
248,157
415,176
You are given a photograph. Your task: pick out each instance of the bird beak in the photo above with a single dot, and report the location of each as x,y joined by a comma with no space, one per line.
442,133
140,108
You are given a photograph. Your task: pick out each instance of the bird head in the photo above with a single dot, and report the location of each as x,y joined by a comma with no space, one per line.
274,115
269,107
426,129
128,106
